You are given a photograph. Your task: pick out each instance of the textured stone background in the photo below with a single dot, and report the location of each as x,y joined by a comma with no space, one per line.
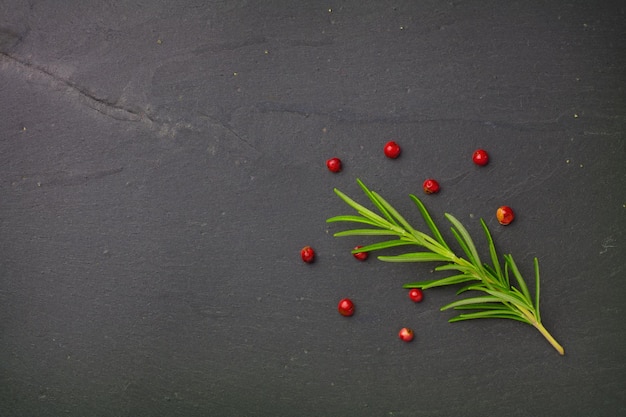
162,164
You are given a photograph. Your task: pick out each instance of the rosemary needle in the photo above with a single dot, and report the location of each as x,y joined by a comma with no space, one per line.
500,297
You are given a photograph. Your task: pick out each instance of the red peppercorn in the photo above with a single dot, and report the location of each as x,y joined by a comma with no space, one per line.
308,254
505,215
416,295
392,150
480,157
406,334
431,186
361,256
334,164
346,307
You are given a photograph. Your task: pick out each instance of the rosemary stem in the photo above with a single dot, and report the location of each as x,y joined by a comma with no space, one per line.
549,337
532,319
502,300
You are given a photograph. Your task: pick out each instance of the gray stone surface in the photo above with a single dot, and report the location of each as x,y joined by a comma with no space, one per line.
162,164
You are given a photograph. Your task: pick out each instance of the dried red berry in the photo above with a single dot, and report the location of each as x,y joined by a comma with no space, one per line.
334,164
480,157
346,307
308,254
505,215
406,334
361,256
392,150
416,295
431,186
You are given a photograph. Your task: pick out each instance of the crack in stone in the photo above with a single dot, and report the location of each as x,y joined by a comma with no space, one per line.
106,107
85,97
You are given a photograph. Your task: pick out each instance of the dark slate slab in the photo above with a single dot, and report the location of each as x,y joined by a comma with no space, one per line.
162,164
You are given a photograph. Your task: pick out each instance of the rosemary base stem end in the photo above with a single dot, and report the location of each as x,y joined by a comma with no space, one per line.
550,339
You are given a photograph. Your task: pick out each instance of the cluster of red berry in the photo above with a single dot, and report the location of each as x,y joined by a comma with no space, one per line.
346,305
392,150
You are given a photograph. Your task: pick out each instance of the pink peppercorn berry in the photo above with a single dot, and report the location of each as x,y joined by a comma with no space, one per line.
334,165
405,334
361,256
346,307
505,215
431,186
392,150
480,157
416,295
308,254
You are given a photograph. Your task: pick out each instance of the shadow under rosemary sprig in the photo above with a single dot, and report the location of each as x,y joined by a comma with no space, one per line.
500,298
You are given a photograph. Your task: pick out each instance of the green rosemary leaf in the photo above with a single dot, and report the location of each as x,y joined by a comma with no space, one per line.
520,280
440,282
454,279
420,238
382,245
492,314
392,212
493,253
365,212
415,257
536,262
354,219
464,289
519,293
466,237
366,232
464,246
506,274
481,306
472,300
487,281
455,267
381,207
497,278
491,280
429,221
510,297
419,284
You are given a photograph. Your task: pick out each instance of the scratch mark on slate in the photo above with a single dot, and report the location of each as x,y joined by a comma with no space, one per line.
105,107
64,178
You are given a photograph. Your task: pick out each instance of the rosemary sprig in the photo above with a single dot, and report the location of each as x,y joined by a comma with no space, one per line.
500,298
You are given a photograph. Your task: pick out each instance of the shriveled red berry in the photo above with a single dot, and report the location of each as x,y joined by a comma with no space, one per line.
392,150
334,164
416,295
308,254
346,307
406,334
361,256
431,186
480,157
505,215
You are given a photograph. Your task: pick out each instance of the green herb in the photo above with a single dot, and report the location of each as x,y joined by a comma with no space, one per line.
500,298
